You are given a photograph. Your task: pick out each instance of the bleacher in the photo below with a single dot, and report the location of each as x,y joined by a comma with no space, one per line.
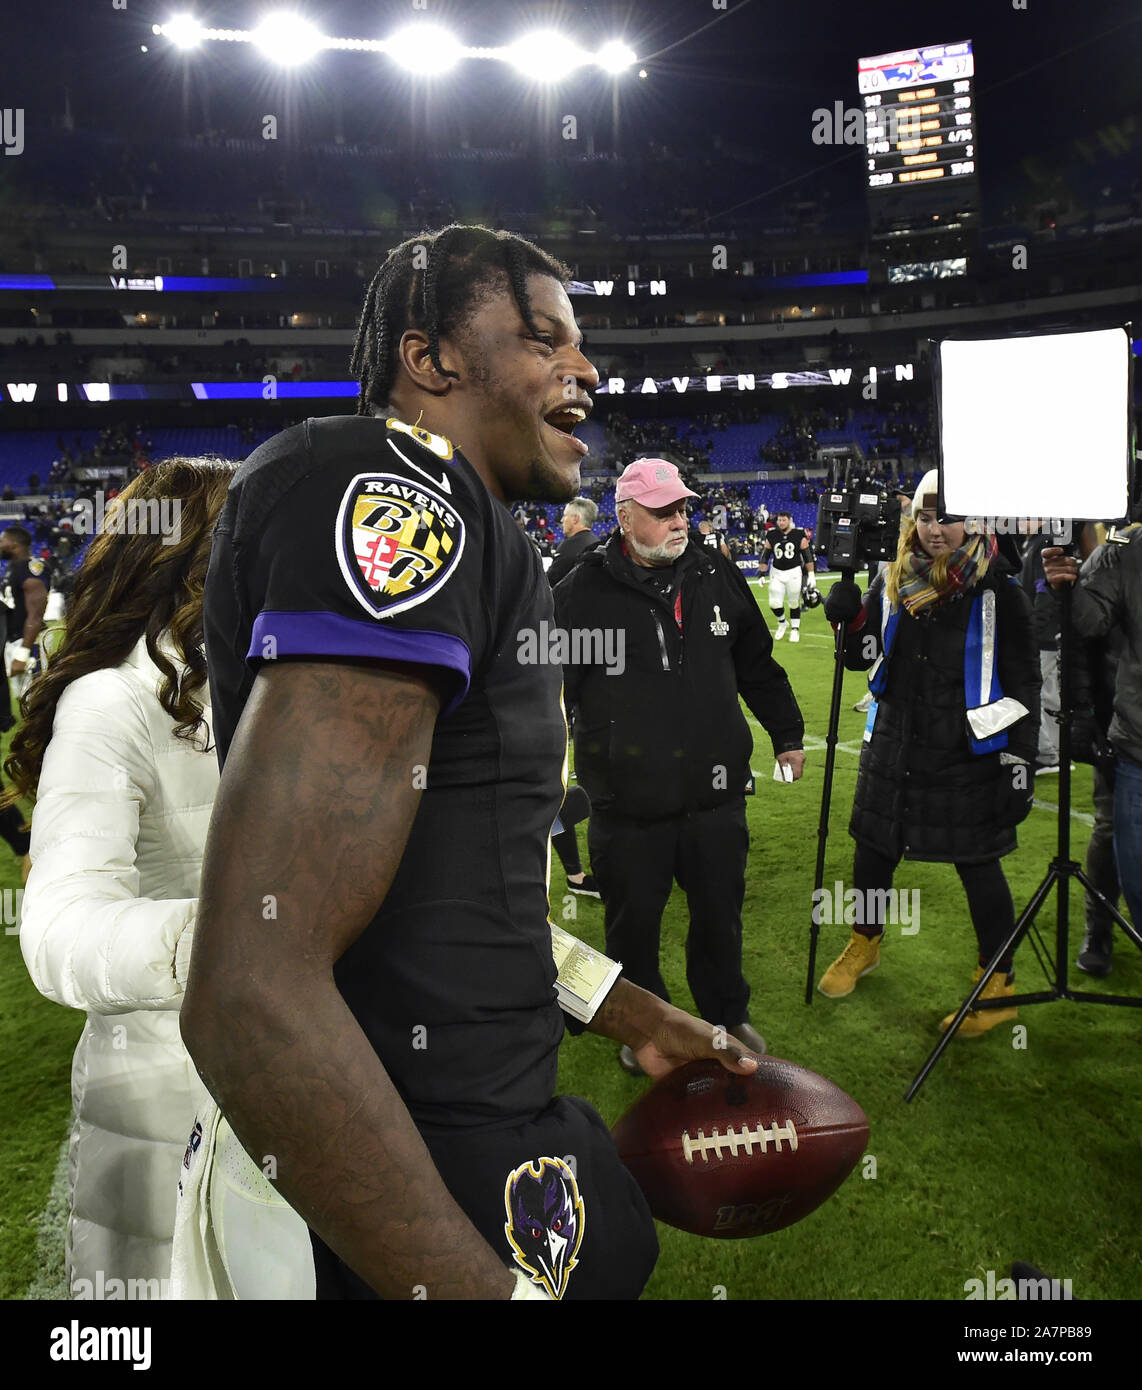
23,452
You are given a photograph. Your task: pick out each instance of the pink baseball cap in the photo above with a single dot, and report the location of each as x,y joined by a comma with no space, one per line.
653,482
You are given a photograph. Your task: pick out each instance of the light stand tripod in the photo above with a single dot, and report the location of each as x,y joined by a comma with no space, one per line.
1061,871
827,790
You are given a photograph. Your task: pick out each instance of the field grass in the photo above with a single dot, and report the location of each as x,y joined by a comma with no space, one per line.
1006,1153
37,1039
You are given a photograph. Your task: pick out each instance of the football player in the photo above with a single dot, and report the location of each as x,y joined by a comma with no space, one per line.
791,566
25,596
709,537
371,997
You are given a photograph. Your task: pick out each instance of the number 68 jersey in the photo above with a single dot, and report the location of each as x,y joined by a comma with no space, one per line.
786,548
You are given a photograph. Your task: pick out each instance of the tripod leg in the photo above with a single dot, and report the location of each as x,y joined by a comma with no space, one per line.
1020,930
826,796
1110,909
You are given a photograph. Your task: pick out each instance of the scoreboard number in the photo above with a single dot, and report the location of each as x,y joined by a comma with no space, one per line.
919,112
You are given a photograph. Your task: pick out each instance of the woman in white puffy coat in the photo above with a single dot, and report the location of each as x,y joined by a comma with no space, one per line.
116,745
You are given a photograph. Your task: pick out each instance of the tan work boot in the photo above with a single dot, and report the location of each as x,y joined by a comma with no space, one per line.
860,957
979,1021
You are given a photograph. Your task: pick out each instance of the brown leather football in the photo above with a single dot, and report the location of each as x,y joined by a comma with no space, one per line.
733,1156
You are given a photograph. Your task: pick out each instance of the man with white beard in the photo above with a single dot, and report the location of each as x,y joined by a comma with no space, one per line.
662,746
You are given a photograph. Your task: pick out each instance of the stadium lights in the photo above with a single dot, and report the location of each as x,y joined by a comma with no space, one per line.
425,49
287,39
546,56
615,57
184,31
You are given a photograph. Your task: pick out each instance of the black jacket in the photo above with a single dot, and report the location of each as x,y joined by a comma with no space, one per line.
1045,617
569,554
667,735
921,792
1108,601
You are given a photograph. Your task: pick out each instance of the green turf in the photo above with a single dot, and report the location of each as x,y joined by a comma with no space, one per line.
37,1039
1006,1154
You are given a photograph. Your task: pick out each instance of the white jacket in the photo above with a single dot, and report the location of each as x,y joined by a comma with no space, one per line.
108,912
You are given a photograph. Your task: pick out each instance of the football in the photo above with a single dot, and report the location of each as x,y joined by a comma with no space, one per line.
734,1156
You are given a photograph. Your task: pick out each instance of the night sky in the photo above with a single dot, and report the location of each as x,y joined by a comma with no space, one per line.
1044,75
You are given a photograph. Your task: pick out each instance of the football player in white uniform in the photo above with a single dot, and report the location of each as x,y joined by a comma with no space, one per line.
791,566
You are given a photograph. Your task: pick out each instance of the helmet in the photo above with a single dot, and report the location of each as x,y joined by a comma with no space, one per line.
810,598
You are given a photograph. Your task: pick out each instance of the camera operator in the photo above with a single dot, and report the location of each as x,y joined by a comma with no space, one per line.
946,772
1109,601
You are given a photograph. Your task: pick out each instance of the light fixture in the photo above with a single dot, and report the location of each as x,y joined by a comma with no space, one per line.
183,30
287,39
426,50
615,57
545,56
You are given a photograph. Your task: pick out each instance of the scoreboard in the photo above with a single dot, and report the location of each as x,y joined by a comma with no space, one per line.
919,116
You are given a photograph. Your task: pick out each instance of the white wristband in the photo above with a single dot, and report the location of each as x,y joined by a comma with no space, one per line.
524,1288
22,653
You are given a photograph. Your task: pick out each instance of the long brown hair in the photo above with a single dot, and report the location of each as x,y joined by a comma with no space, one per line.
134,581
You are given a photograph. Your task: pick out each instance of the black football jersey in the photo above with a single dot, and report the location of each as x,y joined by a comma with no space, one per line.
359,537
786,549
12,592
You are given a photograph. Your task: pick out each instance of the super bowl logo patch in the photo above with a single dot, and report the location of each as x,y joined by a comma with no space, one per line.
397,542
545,1221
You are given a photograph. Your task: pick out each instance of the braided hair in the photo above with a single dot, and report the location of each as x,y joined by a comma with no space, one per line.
434,283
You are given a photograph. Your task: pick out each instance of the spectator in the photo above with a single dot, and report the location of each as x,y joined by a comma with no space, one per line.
116,746
1109,601
579,515
665,759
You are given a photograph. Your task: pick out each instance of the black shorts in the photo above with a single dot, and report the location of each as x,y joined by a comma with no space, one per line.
551,1196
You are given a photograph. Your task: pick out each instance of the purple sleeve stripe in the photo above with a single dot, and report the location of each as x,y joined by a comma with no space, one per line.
330,634
1040,586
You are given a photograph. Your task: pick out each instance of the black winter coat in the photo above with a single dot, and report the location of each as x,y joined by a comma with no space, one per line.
921,792
668,736
569,554
1108,602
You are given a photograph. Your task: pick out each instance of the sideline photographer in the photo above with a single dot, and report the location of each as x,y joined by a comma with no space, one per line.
946,773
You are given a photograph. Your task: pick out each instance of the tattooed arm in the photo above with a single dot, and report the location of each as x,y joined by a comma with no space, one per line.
315,806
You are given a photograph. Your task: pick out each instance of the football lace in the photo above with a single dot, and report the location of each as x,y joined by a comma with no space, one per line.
732,1140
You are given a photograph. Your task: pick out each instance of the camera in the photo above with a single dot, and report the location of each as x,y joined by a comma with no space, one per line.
858,521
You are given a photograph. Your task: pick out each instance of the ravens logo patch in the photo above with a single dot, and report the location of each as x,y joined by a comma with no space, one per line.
397,542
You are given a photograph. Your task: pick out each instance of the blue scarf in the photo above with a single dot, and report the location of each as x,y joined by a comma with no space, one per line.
989,711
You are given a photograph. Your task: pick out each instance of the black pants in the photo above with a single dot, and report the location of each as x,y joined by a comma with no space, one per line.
576,807
989,898
635,864
1100,866
614,1244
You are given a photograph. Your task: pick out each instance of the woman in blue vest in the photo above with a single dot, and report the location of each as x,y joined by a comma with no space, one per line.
947,769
